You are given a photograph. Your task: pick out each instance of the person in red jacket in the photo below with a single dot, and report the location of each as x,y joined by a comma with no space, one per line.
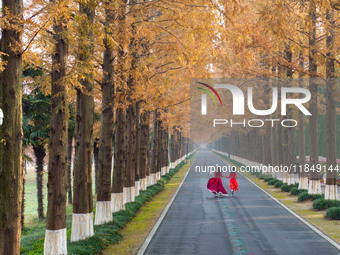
215,184
233,182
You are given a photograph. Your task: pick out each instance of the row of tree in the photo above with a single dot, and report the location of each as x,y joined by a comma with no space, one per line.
285,40
128,60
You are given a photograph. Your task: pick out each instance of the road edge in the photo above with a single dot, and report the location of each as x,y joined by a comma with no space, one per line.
310,225
147,240
306,222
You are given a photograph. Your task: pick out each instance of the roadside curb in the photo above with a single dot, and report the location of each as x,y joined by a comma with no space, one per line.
149,237
318,231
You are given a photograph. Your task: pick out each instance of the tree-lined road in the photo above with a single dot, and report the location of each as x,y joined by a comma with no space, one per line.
249,223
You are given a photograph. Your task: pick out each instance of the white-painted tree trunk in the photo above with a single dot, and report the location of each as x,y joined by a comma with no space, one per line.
291,179
331,192
303,183
285,178
274,174
132,194
137,188
117,202
158,176
142,184
163,170
103,212
314,187
126,195
82,226
154,178
55,242
148,180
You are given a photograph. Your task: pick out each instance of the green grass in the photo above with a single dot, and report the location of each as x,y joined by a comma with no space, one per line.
323,204
305,196
31,204
333,213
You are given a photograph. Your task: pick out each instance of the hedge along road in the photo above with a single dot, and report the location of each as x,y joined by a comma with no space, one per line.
251,222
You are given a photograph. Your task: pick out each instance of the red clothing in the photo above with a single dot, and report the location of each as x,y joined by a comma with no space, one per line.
215,184
233,184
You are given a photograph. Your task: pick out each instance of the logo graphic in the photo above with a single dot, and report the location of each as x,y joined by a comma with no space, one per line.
204,97
239,99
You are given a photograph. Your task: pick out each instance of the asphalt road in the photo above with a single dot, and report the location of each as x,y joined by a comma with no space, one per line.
248,223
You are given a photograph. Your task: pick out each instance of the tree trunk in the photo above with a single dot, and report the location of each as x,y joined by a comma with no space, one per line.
172,149
303,182
130,152
40,152
331,185
119,162
144,148
11,168
291,150
69,167
314,183
82,217
137,155
104,205
155,144
55,236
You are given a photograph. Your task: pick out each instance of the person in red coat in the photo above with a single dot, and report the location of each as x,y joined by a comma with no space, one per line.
233,182
215,184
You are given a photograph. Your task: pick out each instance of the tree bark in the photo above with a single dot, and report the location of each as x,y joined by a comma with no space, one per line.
104,204
137,162
144,147
57,164
314,183
154,157
303,182
119,162
331,184
130,151
11,134
82,218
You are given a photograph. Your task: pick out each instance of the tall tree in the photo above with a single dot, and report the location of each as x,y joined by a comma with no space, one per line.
82,217
314,183
103,206
331,184
55,235
303,181
11,134
144,148
120,194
